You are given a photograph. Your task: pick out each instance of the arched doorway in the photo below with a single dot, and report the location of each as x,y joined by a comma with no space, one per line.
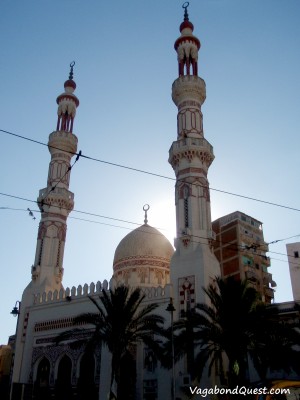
63,384
127,382
41,384
86,387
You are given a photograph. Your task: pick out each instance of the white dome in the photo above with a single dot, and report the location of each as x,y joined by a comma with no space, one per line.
143,257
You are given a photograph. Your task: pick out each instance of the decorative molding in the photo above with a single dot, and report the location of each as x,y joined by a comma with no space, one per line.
187,297
186,239
135,261
25,324
54,324
188,88
192,170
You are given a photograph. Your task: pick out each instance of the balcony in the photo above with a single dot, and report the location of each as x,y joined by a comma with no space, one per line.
251,275
269,292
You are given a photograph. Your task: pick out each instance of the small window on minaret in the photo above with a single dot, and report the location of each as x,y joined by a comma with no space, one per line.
186,206
187,300
296,254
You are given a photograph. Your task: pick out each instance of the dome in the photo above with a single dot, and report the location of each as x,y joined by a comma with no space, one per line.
143,258
144,242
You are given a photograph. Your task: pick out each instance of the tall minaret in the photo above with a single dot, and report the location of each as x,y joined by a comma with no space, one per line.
193,265
56,201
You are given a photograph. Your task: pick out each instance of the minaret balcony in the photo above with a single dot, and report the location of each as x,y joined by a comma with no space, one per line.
190,149
60,198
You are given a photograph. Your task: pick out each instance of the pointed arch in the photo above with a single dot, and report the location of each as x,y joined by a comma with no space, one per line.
41,383
63,384
86,386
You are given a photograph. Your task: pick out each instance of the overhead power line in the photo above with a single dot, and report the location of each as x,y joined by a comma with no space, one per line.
155,174
77,211
194,238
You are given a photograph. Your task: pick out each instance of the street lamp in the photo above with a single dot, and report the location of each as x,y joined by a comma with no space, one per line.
16,310
15,313
171,309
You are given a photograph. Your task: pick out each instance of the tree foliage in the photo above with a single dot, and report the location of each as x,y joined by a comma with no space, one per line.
232,329
120,323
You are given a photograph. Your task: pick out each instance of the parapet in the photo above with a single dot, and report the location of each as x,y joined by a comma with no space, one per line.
153,293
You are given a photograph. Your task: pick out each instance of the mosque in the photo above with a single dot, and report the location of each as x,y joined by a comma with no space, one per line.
143,258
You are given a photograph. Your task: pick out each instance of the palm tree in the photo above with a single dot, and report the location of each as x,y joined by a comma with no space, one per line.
276,343
121,321
233,326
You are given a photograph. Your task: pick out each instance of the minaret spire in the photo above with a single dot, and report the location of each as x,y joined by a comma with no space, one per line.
56,201
185,6
191,156
67,104
187,47
71,70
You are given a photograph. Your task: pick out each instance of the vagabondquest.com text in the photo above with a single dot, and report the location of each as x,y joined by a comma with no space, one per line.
242,390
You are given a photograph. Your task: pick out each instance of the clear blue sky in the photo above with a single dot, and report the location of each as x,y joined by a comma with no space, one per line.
125,66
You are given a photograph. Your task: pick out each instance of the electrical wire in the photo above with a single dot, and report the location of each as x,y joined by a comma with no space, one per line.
281,240
60,180
157,175
79,154
128,222
77,211
229,244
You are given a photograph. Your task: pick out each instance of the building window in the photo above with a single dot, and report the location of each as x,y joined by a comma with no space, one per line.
150,361
296,254
264,268
150,389
247,261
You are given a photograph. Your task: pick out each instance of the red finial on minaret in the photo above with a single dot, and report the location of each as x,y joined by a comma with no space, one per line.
187,46
67,104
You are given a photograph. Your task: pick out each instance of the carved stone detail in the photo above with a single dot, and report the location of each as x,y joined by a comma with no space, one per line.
139,260
62,141
188,88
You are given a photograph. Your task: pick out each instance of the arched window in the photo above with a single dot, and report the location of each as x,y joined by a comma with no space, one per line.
63,385
41,384
86,381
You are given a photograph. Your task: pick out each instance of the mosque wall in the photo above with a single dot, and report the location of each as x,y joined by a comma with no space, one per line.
53,313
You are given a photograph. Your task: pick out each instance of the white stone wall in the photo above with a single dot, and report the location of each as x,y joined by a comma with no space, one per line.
293,253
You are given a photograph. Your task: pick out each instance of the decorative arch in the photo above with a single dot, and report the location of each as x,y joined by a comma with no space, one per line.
86,387
63,383
42,379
